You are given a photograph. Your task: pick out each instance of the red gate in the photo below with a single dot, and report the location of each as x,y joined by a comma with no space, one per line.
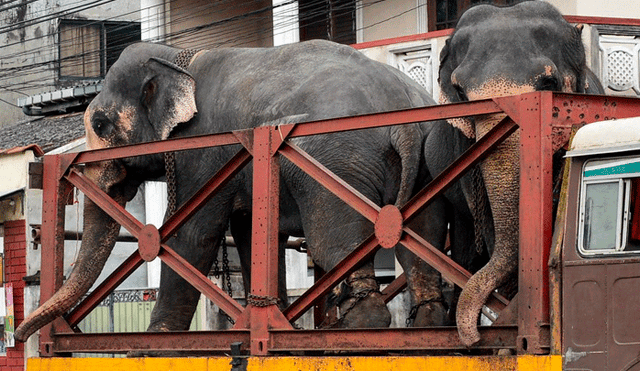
544,119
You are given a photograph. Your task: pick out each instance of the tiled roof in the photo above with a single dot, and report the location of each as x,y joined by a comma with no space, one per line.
49,132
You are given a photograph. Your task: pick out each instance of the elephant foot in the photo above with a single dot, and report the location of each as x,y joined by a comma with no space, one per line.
364,312
359,303
428,313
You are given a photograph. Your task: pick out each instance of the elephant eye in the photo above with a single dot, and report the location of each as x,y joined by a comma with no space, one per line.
101,124
148,92
548,83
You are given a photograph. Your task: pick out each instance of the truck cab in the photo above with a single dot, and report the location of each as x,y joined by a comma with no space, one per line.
601,250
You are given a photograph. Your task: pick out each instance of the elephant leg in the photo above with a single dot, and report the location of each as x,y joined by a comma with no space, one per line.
241,232
177,298
359,301
332,232
197,241
424,282
240,226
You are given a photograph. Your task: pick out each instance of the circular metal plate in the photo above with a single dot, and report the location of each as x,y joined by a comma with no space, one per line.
149,242
388,227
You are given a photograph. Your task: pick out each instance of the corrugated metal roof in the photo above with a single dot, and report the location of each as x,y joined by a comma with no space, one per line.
60,101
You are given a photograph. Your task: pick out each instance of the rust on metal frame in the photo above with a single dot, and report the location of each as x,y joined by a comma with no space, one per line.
133,226
565,111
264,241
366,250
260,331
55,192
195,341
383,339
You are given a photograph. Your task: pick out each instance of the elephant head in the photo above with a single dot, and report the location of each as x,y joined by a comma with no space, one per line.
131,109
497,52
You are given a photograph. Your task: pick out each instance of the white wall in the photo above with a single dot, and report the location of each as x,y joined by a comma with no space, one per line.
388,19
14,168
599,8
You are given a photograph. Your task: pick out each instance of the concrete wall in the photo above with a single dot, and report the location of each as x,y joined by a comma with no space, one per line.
221,24
598,8
15,168
23,44
377,22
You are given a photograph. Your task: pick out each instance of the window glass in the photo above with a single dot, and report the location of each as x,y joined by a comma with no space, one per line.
445,13
79,50
609,207
601,216
333,20
88,48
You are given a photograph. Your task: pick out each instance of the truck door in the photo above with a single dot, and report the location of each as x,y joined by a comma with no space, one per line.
601,264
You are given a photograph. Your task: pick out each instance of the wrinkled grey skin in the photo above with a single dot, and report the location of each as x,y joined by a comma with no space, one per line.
146,98
497,52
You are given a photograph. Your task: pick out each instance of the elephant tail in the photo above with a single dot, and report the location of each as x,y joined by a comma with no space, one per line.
407,142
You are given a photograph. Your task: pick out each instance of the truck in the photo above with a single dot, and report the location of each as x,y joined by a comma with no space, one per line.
577,303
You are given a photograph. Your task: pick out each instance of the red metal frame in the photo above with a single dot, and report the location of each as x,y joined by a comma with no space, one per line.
543,119
575,19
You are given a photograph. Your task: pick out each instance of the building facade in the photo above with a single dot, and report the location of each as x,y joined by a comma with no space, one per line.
47,46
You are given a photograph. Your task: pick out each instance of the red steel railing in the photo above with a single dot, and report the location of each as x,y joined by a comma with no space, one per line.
544,119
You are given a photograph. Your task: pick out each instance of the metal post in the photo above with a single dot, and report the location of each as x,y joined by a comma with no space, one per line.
264,315
536,164
55,192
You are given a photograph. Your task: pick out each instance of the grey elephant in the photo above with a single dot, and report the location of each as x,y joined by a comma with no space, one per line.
496,52
147,97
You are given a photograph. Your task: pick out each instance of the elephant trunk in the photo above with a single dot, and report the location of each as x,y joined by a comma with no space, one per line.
501,172
99,237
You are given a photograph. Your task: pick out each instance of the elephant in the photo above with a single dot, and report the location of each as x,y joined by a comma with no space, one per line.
147,96
498,51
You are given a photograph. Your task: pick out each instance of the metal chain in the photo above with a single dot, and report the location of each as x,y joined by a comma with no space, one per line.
262,301
225,267
225,273
182,60
413,313
216,267
358,296
170,169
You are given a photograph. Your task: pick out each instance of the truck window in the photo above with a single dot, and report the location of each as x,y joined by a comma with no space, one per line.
609,207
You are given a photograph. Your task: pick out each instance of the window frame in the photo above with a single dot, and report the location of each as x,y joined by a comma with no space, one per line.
332,19
104,52
461,7
624,216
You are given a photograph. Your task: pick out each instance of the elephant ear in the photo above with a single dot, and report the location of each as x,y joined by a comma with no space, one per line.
448,93
444,73
168,94
592,83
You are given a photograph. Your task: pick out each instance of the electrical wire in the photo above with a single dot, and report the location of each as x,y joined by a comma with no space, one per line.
222,32
35,65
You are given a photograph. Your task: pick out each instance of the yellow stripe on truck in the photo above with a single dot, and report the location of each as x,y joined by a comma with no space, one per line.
461,363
